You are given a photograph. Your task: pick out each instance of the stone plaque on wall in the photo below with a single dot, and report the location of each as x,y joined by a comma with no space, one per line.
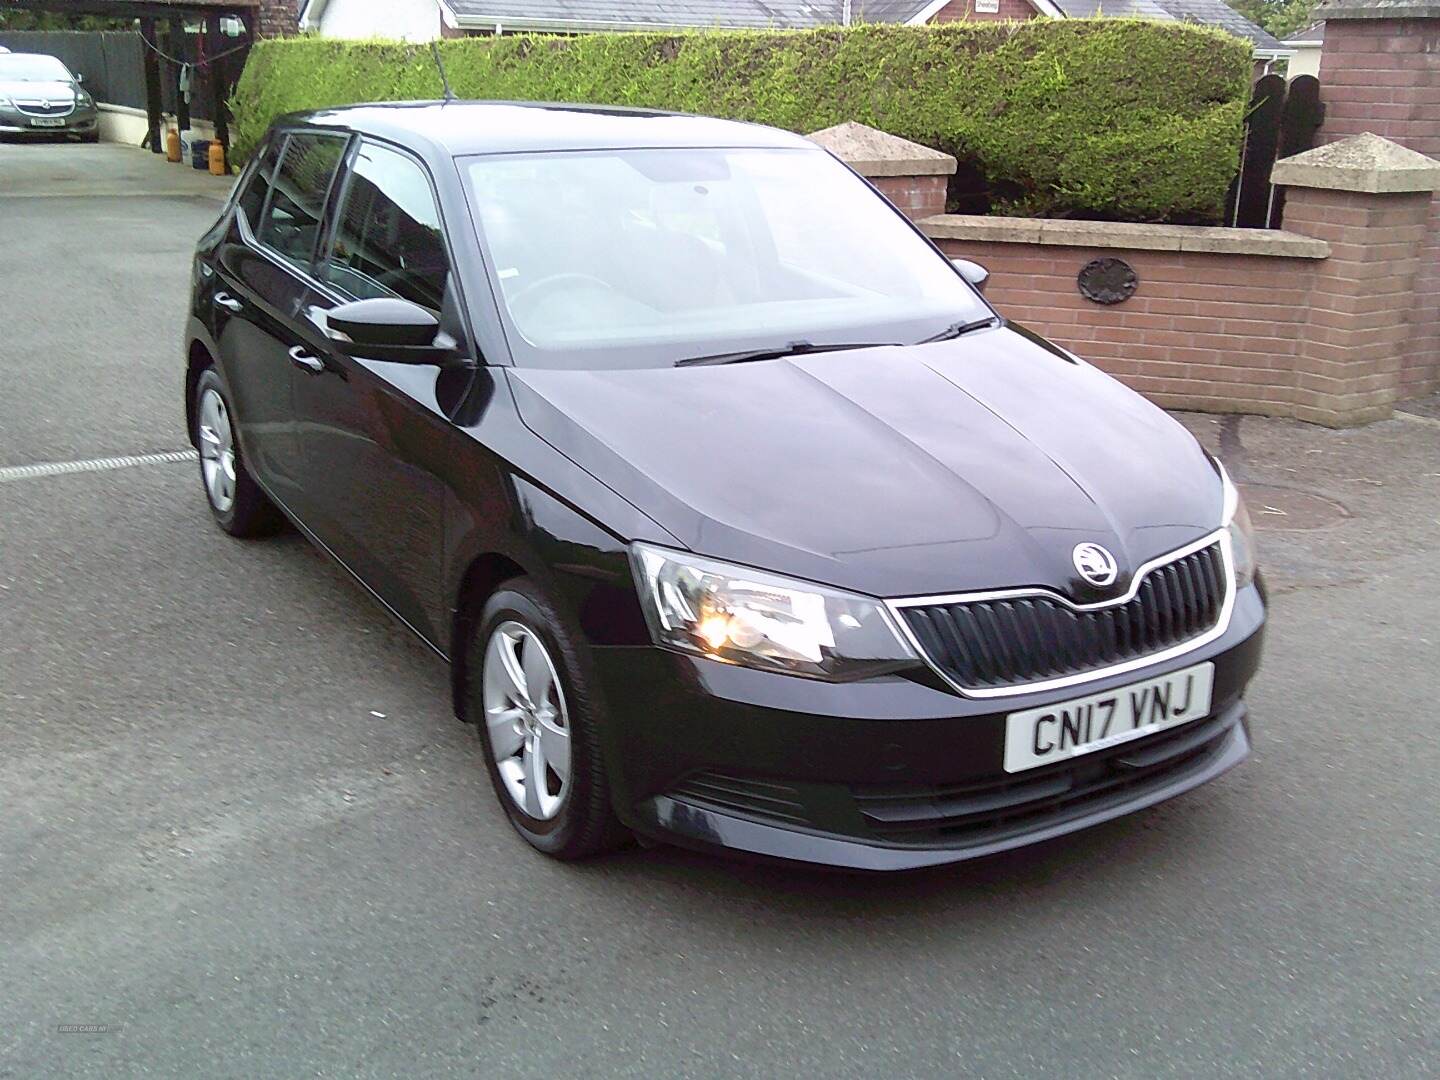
987,7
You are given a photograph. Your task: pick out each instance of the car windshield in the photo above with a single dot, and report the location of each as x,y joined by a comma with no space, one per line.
32,67
624,258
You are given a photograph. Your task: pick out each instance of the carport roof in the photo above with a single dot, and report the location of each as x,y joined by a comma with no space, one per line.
132,8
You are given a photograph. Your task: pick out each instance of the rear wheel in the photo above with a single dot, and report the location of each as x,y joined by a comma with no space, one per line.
236,501
528,695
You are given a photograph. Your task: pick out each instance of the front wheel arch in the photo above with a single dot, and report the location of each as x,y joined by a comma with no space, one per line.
197,361
485,574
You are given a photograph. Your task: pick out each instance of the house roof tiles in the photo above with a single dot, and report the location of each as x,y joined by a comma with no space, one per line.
800,14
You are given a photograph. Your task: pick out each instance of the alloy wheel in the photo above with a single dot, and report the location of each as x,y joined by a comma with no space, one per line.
217,450
526,720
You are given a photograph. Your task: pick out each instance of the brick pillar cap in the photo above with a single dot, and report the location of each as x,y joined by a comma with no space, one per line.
1375,9
876,153
1364,162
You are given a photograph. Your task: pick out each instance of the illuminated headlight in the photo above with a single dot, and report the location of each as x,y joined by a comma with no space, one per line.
1242,533
760,620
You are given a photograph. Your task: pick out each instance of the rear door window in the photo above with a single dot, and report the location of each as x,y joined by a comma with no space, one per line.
299,188
388,237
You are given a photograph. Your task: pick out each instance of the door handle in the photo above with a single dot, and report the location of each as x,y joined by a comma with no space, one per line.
305,360
228,302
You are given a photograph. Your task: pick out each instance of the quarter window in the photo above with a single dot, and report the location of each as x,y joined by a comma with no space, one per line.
291,225
252,199
388,240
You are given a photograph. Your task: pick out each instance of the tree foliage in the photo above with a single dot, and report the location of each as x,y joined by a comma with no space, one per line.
1281,17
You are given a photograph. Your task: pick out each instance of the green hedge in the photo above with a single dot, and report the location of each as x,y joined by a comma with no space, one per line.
1110,118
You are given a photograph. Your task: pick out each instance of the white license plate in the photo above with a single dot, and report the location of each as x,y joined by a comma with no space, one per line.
47,121
1068,729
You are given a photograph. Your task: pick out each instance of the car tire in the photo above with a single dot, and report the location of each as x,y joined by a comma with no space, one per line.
235,499
90,137
577,817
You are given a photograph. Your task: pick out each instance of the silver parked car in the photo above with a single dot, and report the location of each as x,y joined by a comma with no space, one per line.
38,93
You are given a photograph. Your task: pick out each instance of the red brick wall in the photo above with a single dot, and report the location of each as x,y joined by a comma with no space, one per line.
1202,331
1352,358
957,10
1383,76
918,196
277,18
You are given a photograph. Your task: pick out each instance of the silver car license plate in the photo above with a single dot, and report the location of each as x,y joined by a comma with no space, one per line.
1067,729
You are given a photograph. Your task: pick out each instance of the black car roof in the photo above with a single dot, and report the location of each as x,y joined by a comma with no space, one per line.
489,127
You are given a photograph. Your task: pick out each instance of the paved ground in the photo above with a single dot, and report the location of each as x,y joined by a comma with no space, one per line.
237,820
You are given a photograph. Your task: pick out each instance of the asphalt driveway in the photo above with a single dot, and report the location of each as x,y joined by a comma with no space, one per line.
241,834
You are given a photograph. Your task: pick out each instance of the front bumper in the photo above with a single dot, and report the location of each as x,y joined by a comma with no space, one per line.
886,774
79,122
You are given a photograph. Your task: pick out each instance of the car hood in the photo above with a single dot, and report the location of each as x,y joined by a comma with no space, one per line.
39,91
896,471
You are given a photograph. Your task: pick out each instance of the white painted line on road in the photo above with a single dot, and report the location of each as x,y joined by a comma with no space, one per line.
60,468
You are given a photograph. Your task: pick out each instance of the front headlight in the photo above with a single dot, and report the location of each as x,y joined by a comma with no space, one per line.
761,620
1242,533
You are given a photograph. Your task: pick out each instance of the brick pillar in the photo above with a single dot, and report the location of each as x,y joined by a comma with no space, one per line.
1380,72
1369,199
276,18
911,176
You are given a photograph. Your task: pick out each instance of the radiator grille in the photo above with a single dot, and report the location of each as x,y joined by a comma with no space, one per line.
983,644
45,108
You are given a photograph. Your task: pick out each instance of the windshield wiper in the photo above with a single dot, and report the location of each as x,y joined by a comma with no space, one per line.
795,348
960,329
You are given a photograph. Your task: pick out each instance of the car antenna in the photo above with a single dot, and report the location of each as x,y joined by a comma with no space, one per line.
444,79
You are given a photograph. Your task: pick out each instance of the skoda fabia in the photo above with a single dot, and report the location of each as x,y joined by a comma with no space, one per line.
741,518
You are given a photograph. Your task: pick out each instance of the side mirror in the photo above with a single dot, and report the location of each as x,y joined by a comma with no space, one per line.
79,78
386,328
972,272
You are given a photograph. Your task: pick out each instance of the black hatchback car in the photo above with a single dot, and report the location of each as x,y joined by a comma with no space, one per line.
741,518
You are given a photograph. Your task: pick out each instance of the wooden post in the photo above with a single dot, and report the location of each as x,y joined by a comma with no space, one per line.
215,72
180,52
152,86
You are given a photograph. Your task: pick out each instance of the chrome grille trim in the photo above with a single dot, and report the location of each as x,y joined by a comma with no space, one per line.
37,107
1222,622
